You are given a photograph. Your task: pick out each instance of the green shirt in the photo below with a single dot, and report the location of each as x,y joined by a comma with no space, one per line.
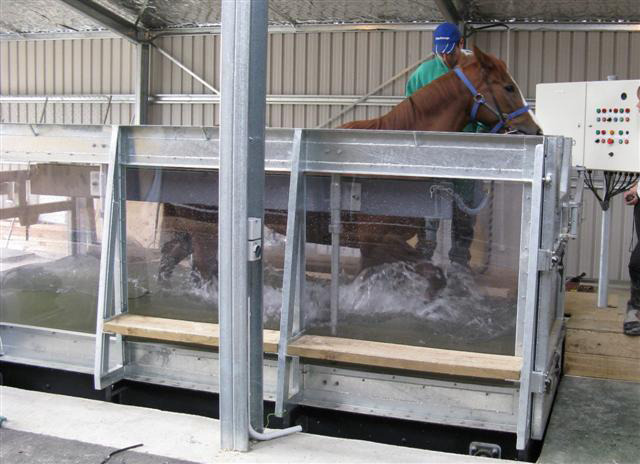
428,72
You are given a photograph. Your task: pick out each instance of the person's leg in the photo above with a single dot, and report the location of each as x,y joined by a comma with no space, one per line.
632,319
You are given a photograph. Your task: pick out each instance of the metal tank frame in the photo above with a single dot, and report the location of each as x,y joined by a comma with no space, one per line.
540,163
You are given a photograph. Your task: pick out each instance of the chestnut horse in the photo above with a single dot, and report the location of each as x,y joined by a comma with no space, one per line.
448,104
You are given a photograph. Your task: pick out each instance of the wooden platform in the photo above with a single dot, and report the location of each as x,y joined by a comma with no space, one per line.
173,330
386,355
595,345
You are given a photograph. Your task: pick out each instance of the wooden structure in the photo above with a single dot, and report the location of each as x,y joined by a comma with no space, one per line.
595,345
387,355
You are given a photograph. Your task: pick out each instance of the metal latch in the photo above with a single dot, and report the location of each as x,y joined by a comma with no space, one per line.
254,235
540,382
545,260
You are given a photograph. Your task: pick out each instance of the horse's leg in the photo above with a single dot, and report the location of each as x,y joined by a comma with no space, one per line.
205,254
174,250
427,237
462,226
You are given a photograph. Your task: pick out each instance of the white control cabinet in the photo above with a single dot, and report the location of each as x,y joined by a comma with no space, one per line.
601,117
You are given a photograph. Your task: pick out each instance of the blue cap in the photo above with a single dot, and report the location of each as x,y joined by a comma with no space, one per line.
445,38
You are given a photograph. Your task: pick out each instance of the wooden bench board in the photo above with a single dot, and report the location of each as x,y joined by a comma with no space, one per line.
414,358
175,330
389,355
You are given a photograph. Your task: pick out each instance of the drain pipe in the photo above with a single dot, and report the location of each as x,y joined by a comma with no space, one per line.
275,434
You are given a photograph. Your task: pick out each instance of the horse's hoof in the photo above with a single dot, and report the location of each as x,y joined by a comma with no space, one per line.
434,275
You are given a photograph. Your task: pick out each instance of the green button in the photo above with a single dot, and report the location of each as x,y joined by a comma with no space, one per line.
597,110
620,132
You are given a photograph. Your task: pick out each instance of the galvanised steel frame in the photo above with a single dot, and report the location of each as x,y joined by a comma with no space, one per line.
541,164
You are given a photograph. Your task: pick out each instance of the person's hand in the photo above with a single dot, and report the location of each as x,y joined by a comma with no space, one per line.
631,196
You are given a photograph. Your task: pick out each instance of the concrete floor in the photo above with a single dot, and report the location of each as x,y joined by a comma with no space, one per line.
56,427
31,448
594,422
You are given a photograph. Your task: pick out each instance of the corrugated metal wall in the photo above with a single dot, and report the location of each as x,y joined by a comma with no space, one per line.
92,66
318,63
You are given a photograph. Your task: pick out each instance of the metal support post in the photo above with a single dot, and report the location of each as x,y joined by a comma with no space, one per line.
111,296
334,229
523,427
293,273
141,107
603,274
242,132
187,70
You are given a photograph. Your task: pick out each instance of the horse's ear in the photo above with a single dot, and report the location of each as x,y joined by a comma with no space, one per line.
485,60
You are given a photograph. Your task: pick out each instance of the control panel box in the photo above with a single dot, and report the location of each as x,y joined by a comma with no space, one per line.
601,117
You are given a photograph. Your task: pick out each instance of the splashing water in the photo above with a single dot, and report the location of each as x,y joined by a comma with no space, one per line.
384,303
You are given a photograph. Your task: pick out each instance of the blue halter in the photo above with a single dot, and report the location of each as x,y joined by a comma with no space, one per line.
478,99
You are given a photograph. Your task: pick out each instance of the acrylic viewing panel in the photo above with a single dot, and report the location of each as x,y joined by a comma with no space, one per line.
172,244
50,233
422,262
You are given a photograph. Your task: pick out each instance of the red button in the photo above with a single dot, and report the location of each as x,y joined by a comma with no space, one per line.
626,142
627,110
615,110
626,119
603,140
610,141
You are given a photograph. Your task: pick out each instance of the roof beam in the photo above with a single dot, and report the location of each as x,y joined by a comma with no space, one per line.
105,18
449,11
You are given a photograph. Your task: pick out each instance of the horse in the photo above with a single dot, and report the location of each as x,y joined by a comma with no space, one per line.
447,104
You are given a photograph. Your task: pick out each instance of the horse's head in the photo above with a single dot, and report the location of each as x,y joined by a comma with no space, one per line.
504,100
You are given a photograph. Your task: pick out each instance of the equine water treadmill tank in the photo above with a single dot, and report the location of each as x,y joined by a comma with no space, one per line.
367,305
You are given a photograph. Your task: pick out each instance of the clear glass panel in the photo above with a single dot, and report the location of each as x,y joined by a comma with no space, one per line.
426,263
172,244
172,240
50,227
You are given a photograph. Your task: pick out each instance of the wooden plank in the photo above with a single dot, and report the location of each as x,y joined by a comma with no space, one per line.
33,211
603,367
584,302
407,357
174,330
603,343
595,325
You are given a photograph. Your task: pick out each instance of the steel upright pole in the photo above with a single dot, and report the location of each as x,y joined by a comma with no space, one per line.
242,132
141,106
603,271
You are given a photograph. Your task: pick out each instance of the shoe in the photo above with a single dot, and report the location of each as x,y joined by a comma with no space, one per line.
631,324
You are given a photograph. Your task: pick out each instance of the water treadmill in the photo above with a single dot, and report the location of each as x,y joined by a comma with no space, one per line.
110,254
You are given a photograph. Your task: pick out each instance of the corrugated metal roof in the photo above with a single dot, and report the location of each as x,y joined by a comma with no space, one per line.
554,10
41,16
30,16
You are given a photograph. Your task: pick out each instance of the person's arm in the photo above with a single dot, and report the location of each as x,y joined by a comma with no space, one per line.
632,196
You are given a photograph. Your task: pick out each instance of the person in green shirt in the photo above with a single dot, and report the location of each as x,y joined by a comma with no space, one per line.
447,47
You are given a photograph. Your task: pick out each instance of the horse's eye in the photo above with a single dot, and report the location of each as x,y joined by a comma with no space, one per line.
509,88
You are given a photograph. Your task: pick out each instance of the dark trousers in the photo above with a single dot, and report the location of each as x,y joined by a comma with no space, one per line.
634,263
